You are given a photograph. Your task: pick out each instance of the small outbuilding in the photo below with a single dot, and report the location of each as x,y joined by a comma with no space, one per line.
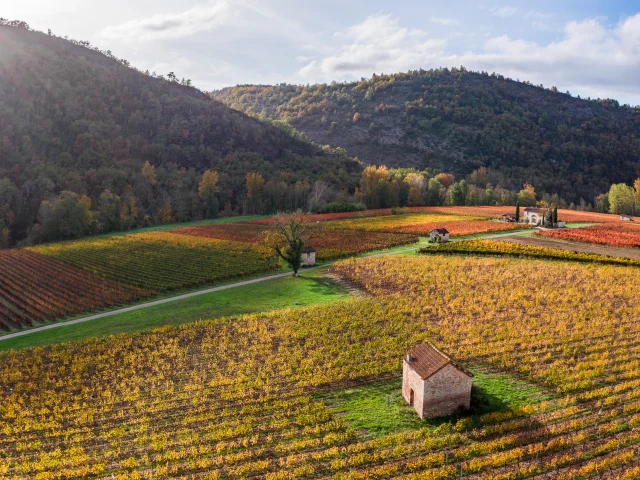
439,235
308,256
508,217
433,384
534,216
626,218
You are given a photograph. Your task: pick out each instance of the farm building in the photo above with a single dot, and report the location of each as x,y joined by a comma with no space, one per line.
308,256
439,235
626,218
433,384
508,217
533,215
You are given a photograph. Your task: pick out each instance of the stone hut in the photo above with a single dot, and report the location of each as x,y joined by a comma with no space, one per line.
440,235
308,256
626,218
433,384
508,217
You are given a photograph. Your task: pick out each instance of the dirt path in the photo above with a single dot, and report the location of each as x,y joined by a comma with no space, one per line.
576,247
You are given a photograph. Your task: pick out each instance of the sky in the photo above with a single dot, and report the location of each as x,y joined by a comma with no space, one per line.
588,48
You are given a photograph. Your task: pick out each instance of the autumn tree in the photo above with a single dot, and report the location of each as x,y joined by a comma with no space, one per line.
289,237
369,184
479,176
207,190
149,173
165,214
254,184
417,187
602,203
445,179
622,199
527,196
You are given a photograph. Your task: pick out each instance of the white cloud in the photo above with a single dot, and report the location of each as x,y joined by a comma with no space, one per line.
240,17
590,58
379,44
447,22
201,17
504,11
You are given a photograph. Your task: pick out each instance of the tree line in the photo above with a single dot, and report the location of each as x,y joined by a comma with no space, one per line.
159,196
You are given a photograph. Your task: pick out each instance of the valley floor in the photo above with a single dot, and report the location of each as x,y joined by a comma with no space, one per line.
575,246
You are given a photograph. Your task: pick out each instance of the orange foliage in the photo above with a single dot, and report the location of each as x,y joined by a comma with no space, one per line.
614,235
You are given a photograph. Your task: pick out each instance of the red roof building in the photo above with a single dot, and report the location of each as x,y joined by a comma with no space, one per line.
433,384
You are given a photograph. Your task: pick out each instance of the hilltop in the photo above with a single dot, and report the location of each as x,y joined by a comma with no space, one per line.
457,121
79,120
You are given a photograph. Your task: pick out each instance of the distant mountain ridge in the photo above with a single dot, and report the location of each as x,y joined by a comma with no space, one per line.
457,121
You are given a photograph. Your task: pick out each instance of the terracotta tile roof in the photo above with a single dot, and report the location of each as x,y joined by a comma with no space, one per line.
441,231
427,360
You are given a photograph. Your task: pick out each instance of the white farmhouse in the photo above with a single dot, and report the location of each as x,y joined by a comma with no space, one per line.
534,215
439,235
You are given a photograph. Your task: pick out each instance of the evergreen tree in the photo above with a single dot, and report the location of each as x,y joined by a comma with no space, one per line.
517,210
555,216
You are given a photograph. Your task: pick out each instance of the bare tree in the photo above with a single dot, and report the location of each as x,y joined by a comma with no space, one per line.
319,192
288,239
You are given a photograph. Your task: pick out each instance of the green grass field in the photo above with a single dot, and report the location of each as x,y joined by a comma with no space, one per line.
378,409
310,288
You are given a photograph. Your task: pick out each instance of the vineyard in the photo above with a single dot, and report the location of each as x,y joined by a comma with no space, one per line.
464,228
614,235
235,398
395,223
160,261
512,249
329,243
570,216
421,224
35,288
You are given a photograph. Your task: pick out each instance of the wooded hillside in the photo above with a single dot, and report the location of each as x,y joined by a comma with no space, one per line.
457,121
74,119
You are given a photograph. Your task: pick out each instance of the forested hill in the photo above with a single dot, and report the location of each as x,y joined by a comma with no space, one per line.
457,121
74,119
